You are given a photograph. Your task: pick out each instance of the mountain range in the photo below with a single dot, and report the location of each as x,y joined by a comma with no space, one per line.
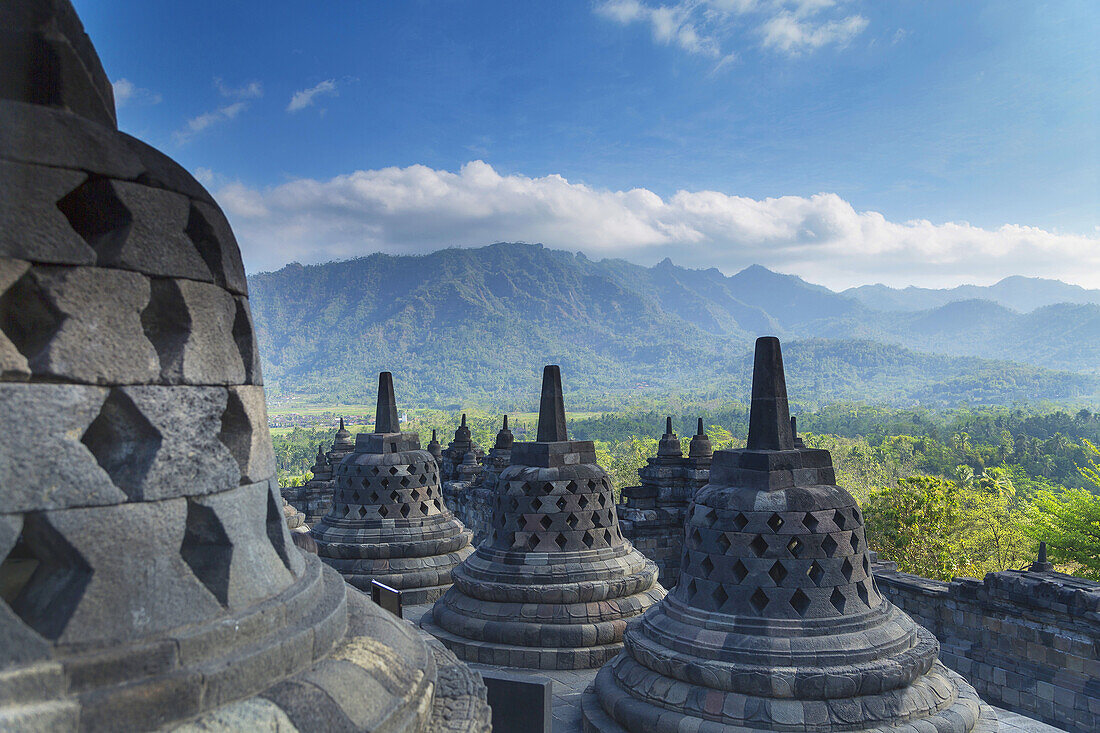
461,325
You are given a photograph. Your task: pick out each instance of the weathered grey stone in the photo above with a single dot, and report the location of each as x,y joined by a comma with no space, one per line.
13,365
43,463
30,222
191,325
81,307
44,136
211,234
245,433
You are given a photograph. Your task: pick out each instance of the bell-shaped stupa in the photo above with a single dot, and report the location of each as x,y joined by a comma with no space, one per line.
147,574
388,521
776,622
313,498
555,583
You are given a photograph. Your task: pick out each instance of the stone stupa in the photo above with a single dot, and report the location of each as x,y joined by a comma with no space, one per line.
776,623
147,576
554,584
313,498
388,521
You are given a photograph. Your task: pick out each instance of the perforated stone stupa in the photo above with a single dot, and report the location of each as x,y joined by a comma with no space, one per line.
388,521
555,583
776,623
147,574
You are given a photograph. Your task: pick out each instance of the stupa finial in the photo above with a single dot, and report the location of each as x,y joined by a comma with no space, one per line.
769,415
552,407
385,416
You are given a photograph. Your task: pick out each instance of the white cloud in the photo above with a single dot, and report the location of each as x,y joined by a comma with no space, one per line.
822,238
304,98
126,92
251,90
704,27
196,125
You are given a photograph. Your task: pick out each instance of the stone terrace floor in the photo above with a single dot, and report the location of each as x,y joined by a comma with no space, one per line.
569,685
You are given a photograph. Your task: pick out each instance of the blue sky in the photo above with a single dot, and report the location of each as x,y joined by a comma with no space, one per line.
906,142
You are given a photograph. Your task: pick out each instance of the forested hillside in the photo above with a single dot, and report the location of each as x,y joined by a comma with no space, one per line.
474,326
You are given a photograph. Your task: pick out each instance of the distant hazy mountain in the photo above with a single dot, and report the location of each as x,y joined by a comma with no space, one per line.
1022,294
478,324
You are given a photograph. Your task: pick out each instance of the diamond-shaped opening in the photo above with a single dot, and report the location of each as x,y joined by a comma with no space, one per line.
405,481
422,479
547,487
582,501
723,543
828,545
775,522
795,547
394,496
355,497
740,521
846,569
838,599
608,537
866,565
739,571
855,542
43,577
532,541
861,589
393,470
28,318
236,431
546,521
799,602
591,484
276,528
166,321
384,483
597,519
414,495
561,503
373,498
405,510
425,508
561,540
242,336
438,504
203,236
374,470
571,520
777,572
513,504
696,538
588,540
692,589
571,487
706,517
720,596
815,573
362,512
124,443
840,519
759,600
207,550
707,565
536,504
810,521
759,546
95,213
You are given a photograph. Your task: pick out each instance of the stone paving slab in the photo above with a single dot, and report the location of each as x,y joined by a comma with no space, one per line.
569,685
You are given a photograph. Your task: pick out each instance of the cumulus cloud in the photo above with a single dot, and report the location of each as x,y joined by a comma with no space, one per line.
706,27
823,238
126,93
304,98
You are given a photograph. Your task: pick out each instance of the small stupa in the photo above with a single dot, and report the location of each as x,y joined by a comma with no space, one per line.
776,623
554,584
313,498
453,457
388,521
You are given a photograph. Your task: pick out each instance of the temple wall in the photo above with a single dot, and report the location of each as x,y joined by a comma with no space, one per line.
659,535
472,503
1027,641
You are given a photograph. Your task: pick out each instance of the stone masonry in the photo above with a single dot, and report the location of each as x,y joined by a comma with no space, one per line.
388,521
652,515
472,502
1028,641
148,579
555,583
777,623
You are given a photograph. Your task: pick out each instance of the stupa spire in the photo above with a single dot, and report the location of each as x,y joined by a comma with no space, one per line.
504,437
769,415
385,416
552,407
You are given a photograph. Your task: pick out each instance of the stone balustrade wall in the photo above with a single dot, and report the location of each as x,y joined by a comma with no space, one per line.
1027,641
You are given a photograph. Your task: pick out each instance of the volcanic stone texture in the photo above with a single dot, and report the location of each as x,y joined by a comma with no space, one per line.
776,623
555,583
388,521
147,574
313,498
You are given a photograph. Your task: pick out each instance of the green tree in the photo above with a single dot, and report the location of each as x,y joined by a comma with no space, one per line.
914,523
1069,521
